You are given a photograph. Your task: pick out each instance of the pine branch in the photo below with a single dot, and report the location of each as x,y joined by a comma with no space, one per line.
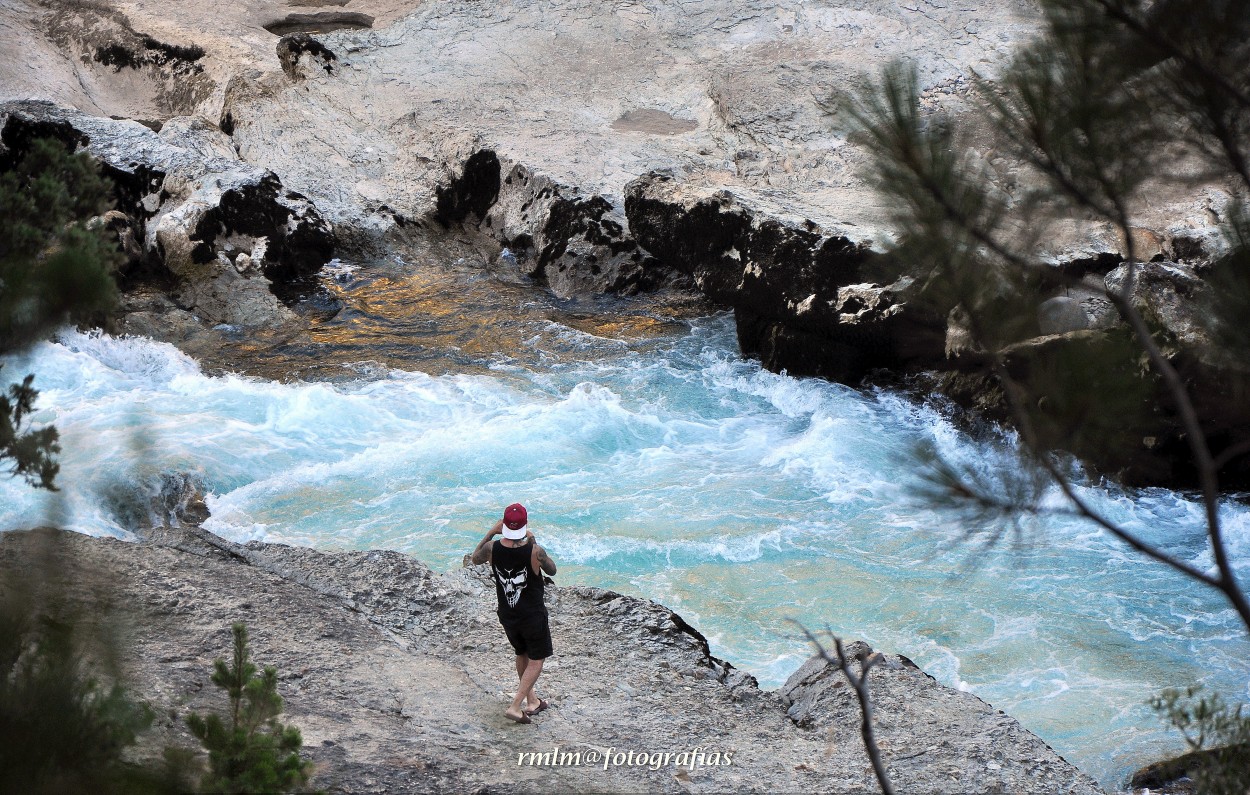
859,683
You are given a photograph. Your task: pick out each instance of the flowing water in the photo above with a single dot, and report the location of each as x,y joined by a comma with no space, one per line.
656,461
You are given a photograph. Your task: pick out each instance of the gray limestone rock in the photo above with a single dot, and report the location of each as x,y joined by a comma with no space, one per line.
921,724
398,677
1169,296
1061,314
197,209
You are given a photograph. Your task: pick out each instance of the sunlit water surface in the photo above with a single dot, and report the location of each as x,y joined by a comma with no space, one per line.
656,461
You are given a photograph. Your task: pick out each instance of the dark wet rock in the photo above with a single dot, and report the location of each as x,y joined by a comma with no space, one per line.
1091,398
295,45
129,237
1169,776
179,501
1180,775
20,130
296,241
170,499
398,676
1096,397
1173,299
806,300
470,193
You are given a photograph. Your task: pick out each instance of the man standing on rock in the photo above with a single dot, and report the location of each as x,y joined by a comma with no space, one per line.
518,563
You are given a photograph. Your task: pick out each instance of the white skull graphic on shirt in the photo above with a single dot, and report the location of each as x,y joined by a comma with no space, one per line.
513,583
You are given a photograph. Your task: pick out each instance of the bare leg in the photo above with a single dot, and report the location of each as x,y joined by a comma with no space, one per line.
528,678
530,699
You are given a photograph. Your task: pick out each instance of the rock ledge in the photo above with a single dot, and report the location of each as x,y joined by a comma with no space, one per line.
398,677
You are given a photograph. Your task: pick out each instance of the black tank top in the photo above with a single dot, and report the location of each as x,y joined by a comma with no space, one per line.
519,589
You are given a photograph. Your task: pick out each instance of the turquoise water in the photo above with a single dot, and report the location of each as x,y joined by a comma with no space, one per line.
671,468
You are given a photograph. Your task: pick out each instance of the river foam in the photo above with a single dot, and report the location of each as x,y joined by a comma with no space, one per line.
673,469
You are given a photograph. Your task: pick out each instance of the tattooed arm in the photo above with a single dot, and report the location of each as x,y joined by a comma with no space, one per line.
542,561
482,553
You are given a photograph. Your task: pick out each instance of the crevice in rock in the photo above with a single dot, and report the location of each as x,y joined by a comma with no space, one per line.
685,627
472,192
319,22
292,46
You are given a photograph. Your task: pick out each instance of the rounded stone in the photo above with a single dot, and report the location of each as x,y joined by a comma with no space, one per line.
1061,314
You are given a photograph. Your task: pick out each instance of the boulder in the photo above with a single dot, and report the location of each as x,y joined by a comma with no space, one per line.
233,239
806,300
296,45
1060,315
573,244
1180,775
1169,296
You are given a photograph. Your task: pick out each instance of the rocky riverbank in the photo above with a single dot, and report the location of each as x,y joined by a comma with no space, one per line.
398,677
586,149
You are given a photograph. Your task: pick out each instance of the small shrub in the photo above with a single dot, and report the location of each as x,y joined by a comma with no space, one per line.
249,751
1218,735
67,718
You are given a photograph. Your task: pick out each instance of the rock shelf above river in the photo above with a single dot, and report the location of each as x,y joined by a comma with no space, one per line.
588,149
398,677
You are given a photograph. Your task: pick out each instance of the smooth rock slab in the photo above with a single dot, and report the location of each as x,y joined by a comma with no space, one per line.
1061,314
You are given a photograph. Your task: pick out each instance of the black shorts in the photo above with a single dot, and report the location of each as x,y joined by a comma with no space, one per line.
529,635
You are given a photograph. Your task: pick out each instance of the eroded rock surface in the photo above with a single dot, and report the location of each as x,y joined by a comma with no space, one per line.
956,724
230,237
806,300
398,677
589,147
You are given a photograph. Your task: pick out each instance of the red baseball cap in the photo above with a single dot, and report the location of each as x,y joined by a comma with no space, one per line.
514,516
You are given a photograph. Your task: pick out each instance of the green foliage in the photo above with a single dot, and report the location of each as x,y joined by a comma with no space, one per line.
65,718
1116,103
1218,733
54,269
31,451
249,751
